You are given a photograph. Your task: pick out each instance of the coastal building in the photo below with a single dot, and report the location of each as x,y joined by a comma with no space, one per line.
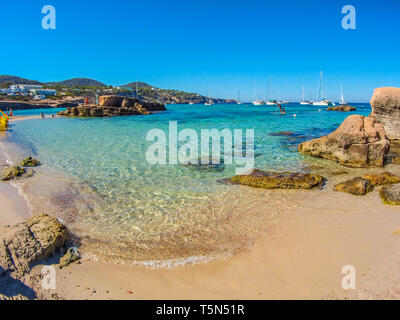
43,92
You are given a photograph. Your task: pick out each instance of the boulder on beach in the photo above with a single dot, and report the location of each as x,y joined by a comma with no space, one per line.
390,194
343,108
356,186
385,105
382,179
114,106
358,142
274,180
23,245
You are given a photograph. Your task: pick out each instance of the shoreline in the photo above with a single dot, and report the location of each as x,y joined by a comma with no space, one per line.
298,254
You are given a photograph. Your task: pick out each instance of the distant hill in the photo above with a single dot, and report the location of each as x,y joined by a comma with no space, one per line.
4,79
78,82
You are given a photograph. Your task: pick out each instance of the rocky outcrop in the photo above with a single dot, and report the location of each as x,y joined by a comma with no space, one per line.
386,109
26,244
358,142
382,179
343,108
29,162
114,106
273,180
390,194
357,186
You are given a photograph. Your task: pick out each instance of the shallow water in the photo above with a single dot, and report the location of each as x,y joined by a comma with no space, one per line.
96,178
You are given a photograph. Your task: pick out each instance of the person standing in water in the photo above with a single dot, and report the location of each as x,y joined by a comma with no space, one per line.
42,115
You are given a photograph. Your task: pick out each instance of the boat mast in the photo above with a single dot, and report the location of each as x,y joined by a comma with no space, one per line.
321,88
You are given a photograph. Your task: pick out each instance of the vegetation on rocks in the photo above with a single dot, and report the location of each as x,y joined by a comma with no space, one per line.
12,172
284,180
356,186
29,162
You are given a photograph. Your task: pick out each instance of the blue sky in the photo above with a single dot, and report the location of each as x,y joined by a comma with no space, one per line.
220,46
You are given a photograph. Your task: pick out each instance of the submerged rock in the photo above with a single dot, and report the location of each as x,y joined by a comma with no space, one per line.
206,166
12,173
343,108
382,179
385,105
358,142
390,194
274,180
29,162
114,106
25,244
357,186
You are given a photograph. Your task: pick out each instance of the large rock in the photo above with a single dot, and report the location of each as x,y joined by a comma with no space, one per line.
273,180
386,109
25,244
114,106
390,194
357,186
343,108
11,173
358,142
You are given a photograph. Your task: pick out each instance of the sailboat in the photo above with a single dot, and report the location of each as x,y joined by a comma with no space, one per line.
341,101
257,102
303,101
270,101
238,101
322,101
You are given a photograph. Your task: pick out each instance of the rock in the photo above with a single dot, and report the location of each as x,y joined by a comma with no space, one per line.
393,156
343,108
358,142
12,173
25,244
284,180
357,186
386,109
111,101
70,257
29,162
114,106
390,194
382,179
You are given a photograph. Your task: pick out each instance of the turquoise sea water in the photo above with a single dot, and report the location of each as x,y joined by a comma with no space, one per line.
95,176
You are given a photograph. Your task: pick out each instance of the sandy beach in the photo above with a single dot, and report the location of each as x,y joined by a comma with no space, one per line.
299,255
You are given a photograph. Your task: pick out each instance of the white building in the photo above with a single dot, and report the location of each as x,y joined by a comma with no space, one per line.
25,87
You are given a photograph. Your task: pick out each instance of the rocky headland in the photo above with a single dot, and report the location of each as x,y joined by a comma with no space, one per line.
112,105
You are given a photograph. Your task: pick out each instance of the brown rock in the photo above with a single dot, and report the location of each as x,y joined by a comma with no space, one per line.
382,179
390,194
357,186
358,142
110,101
386,109
343,108
273,180
25,244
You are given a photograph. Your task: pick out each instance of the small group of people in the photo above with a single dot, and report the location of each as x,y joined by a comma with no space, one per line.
10,113
281,109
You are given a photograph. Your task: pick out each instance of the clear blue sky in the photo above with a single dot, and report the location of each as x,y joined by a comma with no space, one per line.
217,45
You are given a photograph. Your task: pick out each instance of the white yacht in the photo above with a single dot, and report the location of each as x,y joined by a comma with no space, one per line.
303,100
341,101
322,101
270,101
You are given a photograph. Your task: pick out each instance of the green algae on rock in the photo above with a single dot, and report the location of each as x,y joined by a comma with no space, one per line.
382,179
356,186
29,162
274,180
390,194
12,172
